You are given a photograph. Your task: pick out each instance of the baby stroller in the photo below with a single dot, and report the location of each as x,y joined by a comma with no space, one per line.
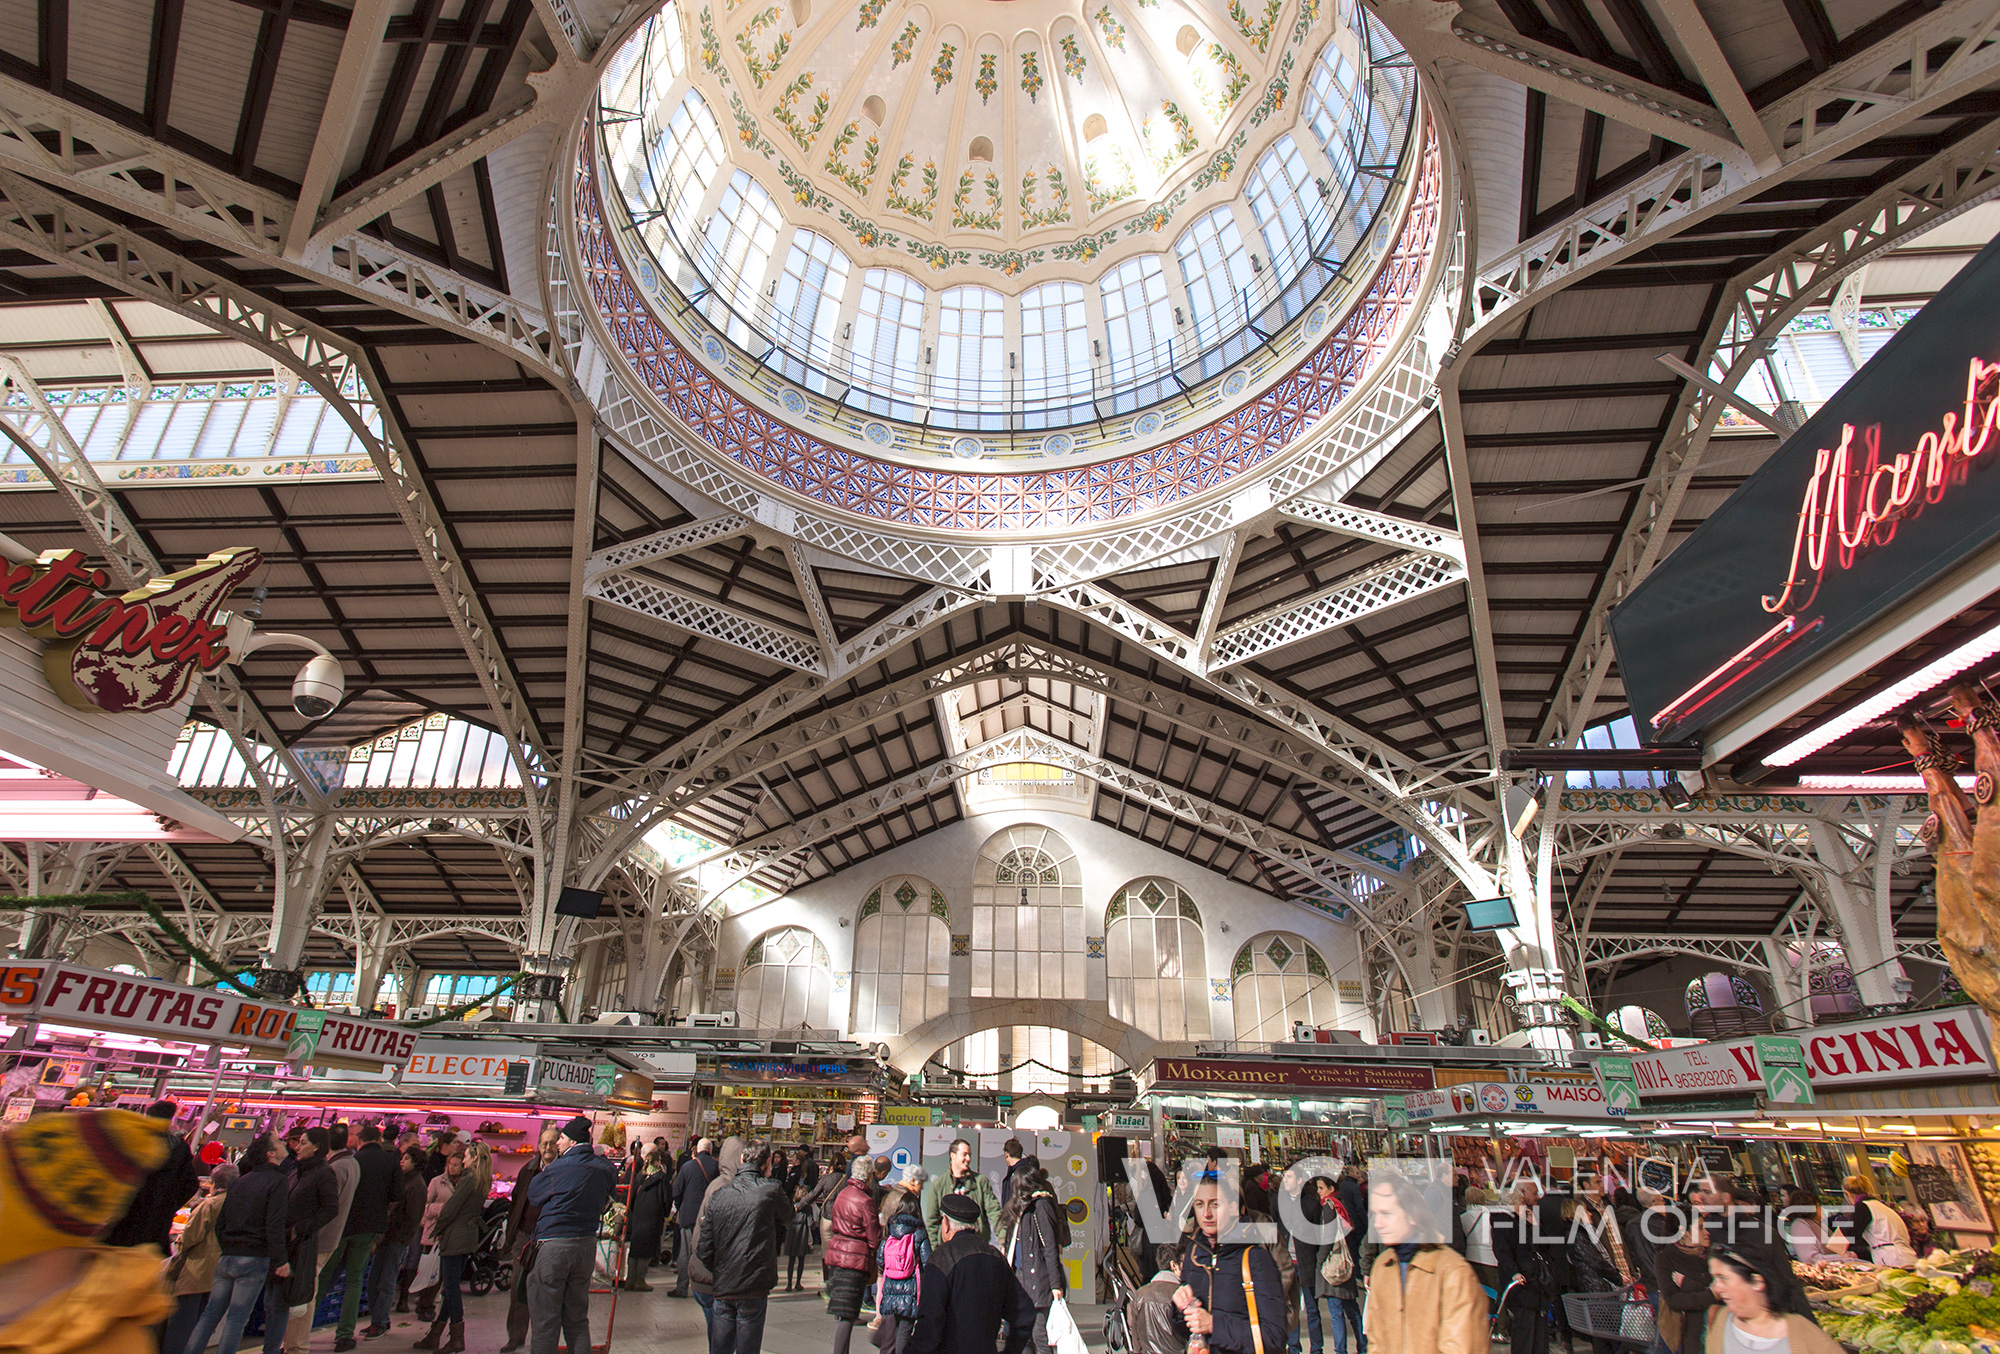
1120,1284
489,1267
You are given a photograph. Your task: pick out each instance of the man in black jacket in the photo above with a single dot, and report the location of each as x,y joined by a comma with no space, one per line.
250,1232
367,1220
738,1245
150,1218
1521,1251
691,1181
968,1289
570,1193
314,1202
405,1217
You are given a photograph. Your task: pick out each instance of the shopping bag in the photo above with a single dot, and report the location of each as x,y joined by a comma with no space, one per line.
428,1270
1064,1337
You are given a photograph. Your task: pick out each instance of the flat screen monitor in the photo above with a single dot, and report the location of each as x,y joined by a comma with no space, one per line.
579,903
1490,914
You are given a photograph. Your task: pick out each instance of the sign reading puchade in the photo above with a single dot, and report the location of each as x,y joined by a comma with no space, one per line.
1880,494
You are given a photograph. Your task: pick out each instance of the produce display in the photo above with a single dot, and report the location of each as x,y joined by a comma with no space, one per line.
1836,1274
1947,1303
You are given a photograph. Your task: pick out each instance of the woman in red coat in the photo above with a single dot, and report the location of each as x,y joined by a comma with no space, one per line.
854,1229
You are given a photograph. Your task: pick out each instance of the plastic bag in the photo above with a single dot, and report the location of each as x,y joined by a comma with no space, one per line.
429,1268
1064,1337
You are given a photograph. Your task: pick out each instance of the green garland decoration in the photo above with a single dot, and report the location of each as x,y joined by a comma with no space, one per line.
135,898
1603,1026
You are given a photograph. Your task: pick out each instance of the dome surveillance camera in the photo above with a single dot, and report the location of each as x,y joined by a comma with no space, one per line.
318,687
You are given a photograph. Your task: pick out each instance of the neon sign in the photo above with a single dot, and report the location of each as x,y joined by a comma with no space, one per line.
124,654
1864,504
1884,498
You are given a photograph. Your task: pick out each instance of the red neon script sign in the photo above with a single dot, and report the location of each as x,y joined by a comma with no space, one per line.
1847,506
124,654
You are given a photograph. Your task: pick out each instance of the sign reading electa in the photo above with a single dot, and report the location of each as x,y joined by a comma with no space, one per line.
124,654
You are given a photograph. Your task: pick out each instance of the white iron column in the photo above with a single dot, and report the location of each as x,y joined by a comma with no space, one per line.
300,878
1534,957
1858,897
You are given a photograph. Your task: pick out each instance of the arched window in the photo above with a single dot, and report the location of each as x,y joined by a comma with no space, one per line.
1278,978
1156,967
681,162
1027,917
1138,320
786,982
1331,102
902,957
1215,268
886,329
971,366
809,294
1286,203
1055,342
741,237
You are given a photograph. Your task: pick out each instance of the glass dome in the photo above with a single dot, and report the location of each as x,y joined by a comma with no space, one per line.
1720,1005
1641,1023
1091,213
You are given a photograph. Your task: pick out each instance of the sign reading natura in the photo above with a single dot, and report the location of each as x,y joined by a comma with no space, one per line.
130,653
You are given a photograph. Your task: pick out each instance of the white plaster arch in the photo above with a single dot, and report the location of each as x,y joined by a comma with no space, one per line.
1092,1020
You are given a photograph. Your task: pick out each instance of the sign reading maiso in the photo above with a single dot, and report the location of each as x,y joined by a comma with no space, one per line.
1885,489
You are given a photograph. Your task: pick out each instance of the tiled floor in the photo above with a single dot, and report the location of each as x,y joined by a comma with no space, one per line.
654,1323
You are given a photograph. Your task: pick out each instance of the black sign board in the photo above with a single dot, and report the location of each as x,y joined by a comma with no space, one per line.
517,1078
1716,1158
1934,1185
1884,490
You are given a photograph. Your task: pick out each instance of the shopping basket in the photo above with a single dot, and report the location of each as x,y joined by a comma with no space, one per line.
1622,1316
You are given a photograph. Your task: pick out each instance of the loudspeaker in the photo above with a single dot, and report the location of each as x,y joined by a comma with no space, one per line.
583,903
1478,1038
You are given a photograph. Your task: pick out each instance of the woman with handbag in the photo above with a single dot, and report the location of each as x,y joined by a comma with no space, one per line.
430,1267
1231,1296
850,1249
1034,1223
1423,1297
192,1270
458,1229
645,1220
1339,1277
801,1180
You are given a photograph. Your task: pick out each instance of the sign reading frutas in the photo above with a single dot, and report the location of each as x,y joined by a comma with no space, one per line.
67,994
1878,496
124,654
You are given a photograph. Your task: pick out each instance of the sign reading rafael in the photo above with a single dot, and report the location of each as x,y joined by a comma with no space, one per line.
125,654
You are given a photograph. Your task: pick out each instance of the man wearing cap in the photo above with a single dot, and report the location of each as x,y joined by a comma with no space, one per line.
968,1290
570,1193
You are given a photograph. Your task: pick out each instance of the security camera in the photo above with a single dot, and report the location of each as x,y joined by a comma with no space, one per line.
318,687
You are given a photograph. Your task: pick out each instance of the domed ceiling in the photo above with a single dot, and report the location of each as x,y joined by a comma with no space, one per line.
1007,138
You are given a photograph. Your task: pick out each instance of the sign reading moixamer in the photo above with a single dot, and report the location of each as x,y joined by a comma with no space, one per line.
130,653
66,994
1953,1045
1222,1074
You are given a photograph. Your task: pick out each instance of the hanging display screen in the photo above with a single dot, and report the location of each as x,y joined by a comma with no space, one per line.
1883,491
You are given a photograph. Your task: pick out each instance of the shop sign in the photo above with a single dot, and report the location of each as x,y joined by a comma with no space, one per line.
728,1070
1124,1122
306,1030
1934,1045
1571,1099
1394,1113
464,1062
66,994
1419,1106
1782,1064
566,1077
1953,1045
1615,1083
124,654
1230,1075
1873,500
907,1116
1706,1069
1349,991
